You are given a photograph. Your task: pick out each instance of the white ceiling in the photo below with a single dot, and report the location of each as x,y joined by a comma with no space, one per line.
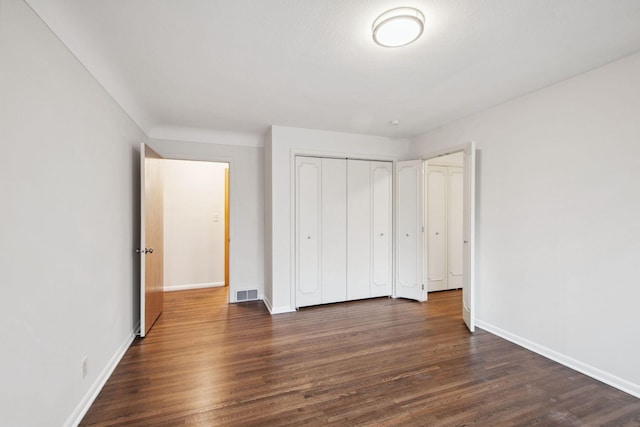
242,65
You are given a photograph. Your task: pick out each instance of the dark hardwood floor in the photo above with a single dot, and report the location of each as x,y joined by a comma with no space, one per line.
371,362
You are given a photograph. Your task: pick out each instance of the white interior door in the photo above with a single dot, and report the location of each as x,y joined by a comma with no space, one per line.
382,217
468,202
409,283
151,238
436,227
308,231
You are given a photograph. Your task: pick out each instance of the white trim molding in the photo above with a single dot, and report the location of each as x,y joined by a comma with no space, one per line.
591,371
171,288
207,136
276,310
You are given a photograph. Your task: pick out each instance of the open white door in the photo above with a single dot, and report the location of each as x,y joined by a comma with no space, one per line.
468,218
151,238
409,231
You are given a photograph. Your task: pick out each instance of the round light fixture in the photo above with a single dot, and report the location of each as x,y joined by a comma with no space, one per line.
398,27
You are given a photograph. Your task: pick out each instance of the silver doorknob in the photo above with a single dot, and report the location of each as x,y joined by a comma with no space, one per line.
150,250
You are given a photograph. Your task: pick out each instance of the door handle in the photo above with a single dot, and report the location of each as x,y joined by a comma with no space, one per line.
144,251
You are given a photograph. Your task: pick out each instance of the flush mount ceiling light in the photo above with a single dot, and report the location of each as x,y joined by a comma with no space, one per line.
398,27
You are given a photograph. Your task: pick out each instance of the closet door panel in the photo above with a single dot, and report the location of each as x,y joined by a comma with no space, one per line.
436,228
456,238
308,203
334,230
358,229
381,190
409,282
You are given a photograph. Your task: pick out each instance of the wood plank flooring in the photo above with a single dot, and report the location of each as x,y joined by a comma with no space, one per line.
374,362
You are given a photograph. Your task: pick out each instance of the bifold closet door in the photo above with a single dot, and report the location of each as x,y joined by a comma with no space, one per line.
369,229
444,227
437,228
308,204
321,246
381,174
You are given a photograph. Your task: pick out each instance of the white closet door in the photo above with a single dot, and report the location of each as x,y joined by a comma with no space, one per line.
436,232
334,230
456,238
382,193
308,231
358,229
409,230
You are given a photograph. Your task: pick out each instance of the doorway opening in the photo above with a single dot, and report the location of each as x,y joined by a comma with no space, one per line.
196,224
443,210
449,226
188,200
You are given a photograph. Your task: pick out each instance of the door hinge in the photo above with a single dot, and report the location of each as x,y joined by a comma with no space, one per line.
423,229
423,286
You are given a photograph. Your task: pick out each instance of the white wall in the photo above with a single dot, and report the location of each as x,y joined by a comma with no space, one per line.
69,174
280,148
558,231
193,224
246,202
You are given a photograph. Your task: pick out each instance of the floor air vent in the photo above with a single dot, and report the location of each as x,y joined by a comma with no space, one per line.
248,295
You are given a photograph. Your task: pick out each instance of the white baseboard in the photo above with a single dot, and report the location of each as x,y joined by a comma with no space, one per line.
267,304
86,402
282,309
591,371
276,310
172,288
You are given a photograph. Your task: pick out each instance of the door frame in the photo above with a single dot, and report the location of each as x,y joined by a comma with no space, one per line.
229,161
472,233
